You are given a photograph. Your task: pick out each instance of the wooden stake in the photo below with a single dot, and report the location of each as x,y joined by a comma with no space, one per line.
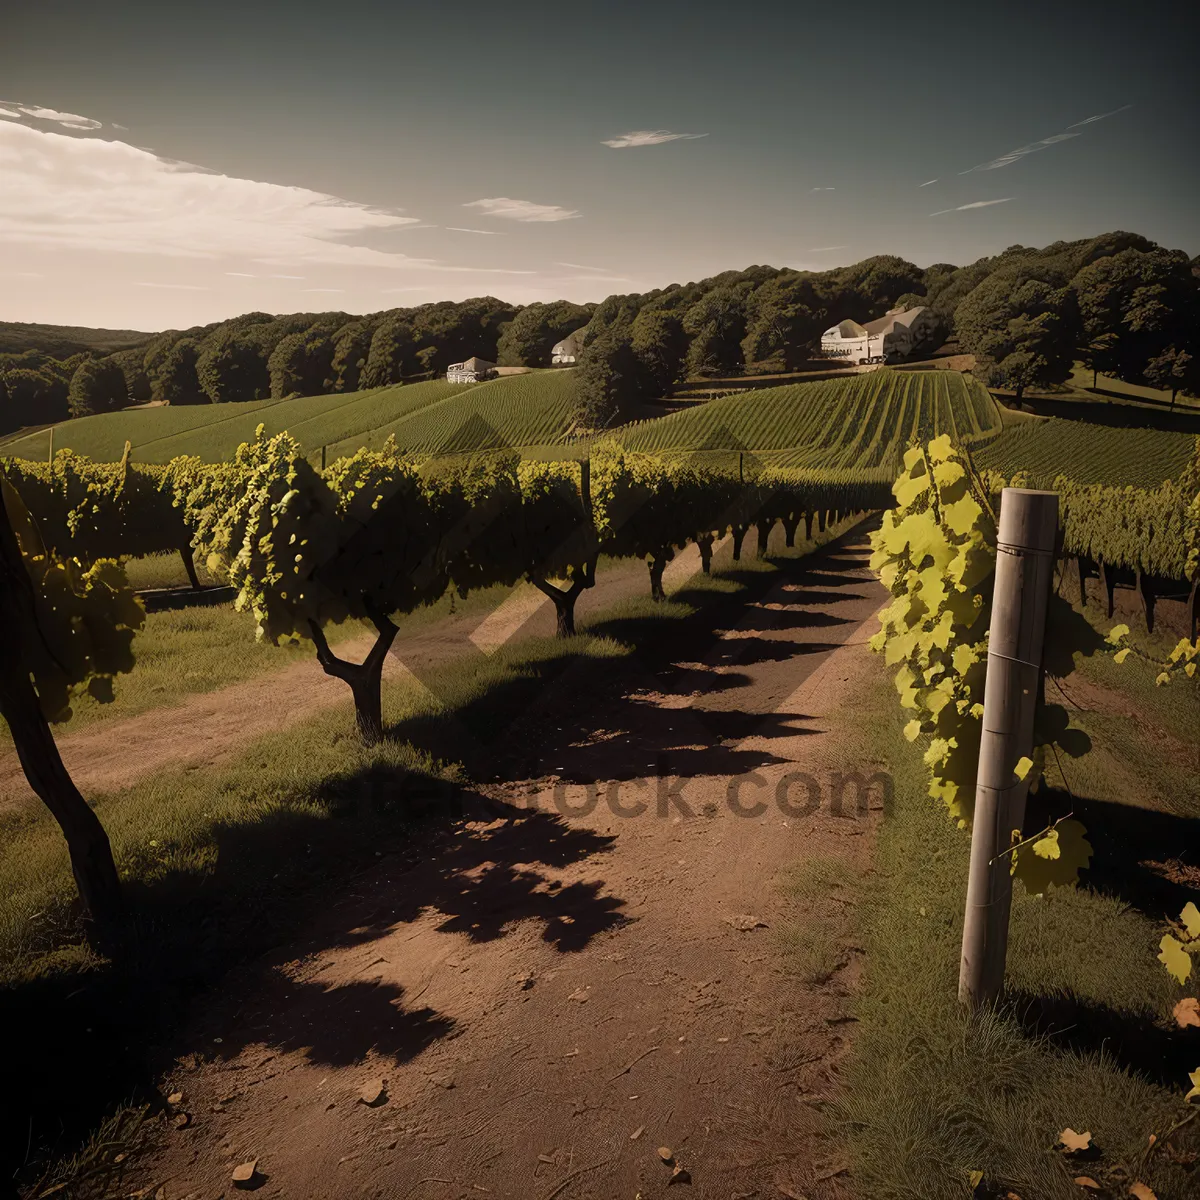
1024,577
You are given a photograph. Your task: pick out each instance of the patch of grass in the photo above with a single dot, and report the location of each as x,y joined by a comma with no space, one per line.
811,950
164,571
822,875
1085,1039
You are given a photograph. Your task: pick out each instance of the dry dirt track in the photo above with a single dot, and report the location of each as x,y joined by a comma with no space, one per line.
550,999
210,728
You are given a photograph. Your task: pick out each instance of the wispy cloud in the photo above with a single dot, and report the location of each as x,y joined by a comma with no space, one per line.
973,204
242,274
322,289
823,249
285,276
1101,116
70,120
122,128
487,232
822,189
582,267
927,183
521,210
174,287
1021,152
92,194
649,137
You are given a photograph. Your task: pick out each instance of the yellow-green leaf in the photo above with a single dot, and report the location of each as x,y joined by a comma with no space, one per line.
1121,655
1023,765
1191,920
1047,846
1175,958
1116,633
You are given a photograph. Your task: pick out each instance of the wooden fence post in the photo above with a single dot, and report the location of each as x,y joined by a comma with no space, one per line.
1024,577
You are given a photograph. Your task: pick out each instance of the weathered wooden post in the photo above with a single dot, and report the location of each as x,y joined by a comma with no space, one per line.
1024,577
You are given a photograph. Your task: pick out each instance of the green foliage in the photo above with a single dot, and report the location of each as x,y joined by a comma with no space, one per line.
231,368
608,380
84,618
176,376
1021,329
98,385
530,336
302,364
935,552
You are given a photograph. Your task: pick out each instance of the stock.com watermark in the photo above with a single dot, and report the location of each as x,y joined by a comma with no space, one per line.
795,794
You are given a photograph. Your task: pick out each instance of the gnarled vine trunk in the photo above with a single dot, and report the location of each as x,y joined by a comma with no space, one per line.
790,525
189,565
704,544
764,536
658,564
365,678
739,535
87,843
564,598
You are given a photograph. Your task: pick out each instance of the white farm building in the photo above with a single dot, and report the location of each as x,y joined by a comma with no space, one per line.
890,338
566,352
474,370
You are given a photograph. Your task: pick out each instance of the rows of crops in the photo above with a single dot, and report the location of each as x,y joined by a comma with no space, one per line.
1041,450
865,422
517,410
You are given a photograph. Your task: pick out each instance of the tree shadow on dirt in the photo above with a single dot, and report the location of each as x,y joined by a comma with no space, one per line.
766,620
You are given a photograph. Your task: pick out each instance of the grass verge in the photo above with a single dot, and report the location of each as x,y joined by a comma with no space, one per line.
1085,1039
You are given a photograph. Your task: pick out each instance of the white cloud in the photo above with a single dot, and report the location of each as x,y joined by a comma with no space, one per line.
487,232
174,287
649,137
1021,152
823,249
927,183
122,128
242,274
521,210
323,289
581,267
285,276
9,115
1100,116
973,204
91,194
70,120
822,189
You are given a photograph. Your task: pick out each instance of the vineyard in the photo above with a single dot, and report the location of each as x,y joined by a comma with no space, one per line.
864,422
1088,454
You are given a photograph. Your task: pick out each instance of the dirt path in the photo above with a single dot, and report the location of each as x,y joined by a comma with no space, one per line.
211,727
550,998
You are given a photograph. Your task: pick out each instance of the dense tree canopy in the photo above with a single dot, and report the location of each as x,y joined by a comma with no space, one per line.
528,339
98,385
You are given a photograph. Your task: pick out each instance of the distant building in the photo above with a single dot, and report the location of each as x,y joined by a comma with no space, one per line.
890,338
474,370
566,352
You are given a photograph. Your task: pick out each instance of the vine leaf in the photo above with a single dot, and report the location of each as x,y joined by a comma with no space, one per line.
1175,958
1048,847
1194,1094
1191,920
1072,1142
1187,1012
1023,767
1121,655
1142,1191
1040,872
1116,633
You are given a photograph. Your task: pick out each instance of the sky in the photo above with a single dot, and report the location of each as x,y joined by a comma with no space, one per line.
167,165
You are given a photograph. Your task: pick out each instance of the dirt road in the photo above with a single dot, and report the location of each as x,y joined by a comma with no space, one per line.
549,996
210,728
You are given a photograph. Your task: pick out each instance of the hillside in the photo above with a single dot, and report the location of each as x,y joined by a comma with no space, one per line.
62,341
1088,453
862,422
433,417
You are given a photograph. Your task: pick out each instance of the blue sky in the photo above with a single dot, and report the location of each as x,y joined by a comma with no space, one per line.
364,155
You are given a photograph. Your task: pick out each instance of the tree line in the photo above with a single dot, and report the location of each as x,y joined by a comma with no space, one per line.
1118,303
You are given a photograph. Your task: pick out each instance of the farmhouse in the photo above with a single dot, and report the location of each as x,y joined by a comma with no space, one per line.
890,338
567,351
474,370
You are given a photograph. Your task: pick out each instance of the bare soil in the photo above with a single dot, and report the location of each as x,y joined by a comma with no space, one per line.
208,729
552,994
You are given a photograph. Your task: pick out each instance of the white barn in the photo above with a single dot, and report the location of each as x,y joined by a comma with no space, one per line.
474,370
890,338
566,352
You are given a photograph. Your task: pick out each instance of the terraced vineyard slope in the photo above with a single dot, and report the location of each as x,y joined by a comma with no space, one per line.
1087,454
863,422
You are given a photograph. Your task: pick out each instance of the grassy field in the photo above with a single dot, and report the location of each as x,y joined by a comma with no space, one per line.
863,422
1088,453
214,431
1085,1039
